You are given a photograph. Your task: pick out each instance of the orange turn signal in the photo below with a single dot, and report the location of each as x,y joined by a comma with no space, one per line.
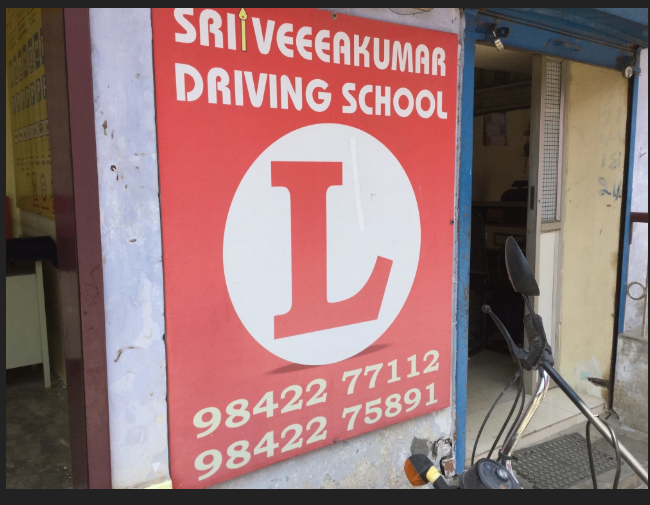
412,474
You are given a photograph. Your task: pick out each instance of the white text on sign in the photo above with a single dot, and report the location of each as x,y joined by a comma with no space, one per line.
273,91
431,358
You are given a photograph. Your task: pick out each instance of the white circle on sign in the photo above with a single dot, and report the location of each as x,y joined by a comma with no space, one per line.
384,221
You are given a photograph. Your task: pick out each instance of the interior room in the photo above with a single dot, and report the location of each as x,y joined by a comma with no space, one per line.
502,108
37,429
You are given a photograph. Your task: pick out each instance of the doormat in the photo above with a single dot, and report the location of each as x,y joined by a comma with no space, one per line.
560,463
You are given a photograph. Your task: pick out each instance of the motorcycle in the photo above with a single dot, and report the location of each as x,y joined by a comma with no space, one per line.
497,473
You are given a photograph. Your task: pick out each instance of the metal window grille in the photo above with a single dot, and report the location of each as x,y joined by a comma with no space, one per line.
552,130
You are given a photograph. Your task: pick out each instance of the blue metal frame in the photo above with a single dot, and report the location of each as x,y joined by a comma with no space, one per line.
527,38
627,226
540,40
464,240
623,28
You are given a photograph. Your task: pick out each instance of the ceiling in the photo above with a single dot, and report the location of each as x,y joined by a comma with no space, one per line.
489,58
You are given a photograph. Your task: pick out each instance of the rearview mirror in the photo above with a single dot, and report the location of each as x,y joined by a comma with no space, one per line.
519,272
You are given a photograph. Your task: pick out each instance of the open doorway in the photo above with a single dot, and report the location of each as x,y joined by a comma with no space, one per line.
501,149
518,190
36,404
502,112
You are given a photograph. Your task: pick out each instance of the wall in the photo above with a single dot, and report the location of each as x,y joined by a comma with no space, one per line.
635,310
131,244
33,225
495,168
631,379
595,152
10,179
133,282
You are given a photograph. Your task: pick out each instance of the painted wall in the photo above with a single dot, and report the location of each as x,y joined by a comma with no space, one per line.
34,225
133,282
496,168
595,153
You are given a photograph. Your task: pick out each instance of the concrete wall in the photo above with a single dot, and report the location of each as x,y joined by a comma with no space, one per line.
127,170
594,161
635,303
133,283
631,380
496,168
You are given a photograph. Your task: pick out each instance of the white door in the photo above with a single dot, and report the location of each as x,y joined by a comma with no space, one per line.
544,223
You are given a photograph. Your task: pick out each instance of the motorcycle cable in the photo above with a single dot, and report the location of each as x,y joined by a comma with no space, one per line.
617,450
521,393
517,375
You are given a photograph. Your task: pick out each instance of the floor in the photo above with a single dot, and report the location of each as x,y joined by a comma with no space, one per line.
488,373
37,436
635,441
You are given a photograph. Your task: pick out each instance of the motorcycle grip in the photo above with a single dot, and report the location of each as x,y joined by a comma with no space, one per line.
535,331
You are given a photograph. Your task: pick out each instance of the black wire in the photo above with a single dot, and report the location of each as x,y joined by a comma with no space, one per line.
514,406
521,405
512,380
521,393
617,451
591,456
528,304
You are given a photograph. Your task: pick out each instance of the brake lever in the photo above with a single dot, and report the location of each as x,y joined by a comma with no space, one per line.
540,352
517,353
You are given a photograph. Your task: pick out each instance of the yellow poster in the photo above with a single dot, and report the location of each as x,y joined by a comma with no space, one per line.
28,93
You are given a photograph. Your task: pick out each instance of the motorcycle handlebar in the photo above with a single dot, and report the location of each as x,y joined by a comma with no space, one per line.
536,334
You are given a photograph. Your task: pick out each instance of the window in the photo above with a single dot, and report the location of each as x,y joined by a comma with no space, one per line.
552,140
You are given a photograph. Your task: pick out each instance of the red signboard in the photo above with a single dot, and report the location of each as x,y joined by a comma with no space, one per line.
307,190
